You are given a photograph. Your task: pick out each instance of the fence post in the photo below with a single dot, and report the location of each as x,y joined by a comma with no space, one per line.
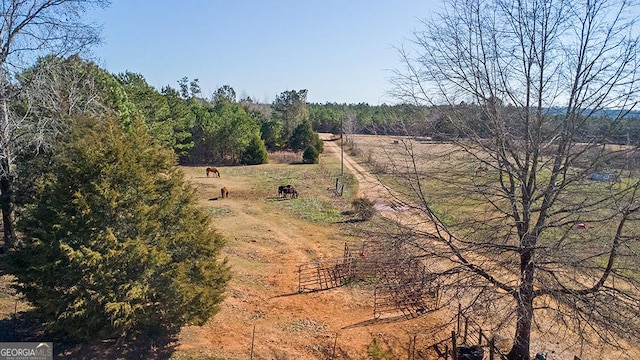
480,338
413,349
492,345
454,346
459,320
413,355
253,337
466,327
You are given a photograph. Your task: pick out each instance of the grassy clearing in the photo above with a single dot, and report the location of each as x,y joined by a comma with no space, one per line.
314,210
218,212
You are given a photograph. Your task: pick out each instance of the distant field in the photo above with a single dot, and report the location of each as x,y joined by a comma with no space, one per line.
452,185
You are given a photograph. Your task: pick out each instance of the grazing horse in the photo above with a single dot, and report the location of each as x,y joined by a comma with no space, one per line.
224,192
283,190
214,171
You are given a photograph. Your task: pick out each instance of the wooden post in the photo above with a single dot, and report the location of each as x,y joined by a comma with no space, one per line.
341,149
253,337
335,343
492,345
480,338
413,354
459,319
454,346
466,327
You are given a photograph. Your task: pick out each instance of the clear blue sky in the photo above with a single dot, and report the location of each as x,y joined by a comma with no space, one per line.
339,50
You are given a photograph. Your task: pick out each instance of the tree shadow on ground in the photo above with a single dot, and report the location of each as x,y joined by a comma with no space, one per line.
377,321
25,327
354,218
351,221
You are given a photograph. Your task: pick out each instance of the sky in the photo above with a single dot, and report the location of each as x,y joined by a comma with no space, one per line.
341,51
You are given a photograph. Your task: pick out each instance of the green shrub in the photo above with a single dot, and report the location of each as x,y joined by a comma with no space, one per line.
310,155
255,153
375,352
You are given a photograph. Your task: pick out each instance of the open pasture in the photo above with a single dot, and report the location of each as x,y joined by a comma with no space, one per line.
465,193
268,238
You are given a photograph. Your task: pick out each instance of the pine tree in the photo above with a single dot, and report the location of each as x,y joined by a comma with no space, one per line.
256,152
113,241
310,155
301,137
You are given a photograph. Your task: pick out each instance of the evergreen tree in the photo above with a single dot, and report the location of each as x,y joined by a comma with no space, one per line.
290,109
165,114
113,241
256,152
310,155
301,137
317,143
270,132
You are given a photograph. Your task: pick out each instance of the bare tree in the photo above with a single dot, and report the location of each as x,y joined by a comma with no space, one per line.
520,229
349,125
31,29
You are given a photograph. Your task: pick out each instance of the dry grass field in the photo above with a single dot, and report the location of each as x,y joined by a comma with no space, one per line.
387,158
263,316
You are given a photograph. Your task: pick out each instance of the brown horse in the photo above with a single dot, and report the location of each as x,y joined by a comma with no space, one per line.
224,192
214,171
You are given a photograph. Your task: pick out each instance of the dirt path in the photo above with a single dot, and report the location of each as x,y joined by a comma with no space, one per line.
368,185
387,202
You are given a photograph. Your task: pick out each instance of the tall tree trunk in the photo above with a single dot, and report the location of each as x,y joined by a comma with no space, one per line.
522,340
6,204
524,301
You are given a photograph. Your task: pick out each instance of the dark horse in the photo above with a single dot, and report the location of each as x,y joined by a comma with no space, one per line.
224,192
214,171
283,190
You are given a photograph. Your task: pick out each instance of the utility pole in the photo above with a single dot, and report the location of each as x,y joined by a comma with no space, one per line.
341,148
